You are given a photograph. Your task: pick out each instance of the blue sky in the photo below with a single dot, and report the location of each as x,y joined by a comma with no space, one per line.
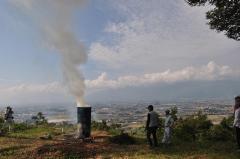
130,45
20,40
22,57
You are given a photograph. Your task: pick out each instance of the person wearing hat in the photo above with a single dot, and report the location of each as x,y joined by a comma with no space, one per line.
236,123
167,128
152,126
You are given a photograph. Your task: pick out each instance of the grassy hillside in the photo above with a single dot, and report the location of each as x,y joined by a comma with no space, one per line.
194,137
27,144
12,147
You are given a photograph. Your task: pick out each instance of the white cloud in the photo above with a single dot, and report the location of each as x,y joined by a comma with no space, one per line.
209,72
33,88
57,92
24,93
157,35
23,3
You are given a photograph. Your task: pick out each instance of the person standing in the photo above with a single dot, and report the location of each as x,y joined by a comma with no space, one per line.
167,128
152,126
236,123
8,117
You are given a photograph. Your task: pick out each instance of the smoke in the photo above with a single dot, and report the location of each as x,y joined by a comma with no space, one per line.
54,18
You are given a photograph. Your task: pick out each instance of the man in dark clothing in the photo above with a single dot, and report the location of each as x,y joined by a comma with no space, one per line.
8,116
151,126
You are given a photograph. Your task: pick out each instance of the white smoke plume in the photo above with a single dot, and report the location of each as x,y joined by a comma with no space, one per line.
54,19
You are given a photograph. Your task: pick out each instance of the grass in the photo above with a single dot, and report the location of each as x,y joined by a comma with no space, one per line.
20,144
183,151
27,144
41,130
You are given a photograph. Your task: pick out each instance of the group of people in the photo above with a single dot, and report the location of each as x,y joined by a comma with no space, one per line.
153,123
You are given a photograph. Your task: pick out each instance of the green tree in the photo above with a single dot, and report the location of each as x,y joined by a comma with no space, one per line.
39,118
224,16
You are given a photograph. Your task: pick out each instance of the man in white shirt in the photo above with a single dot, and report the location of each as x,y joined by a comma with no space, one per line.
236,123
167,128
152,126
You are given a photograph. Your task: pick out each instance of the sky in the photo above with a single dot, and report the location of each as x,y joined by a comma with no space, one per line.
137,50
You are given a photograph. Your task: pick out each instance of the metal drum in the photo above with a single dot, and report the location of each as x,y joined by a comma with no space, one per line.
84,121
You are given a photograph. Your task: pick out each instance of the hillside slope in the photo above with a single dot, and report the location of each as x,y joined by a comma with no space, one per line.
65,146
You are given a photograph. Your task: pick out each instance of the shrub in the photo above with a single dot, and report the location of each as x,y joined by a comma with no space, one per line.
114,129
100,125
227,123
193,127
174,112
3,130
186,129
20,127
139,132
1,120
223,131
219,133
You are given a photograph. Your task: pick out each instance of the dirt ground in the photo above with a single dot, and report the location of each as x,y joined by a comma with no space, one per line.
99,147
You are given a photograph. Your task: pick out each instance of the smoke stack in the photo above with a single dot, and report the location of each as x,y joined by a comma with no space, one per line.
84,121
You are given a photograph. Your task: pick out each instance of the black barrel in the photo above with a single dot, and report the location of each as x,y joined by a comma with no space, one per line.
84,121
